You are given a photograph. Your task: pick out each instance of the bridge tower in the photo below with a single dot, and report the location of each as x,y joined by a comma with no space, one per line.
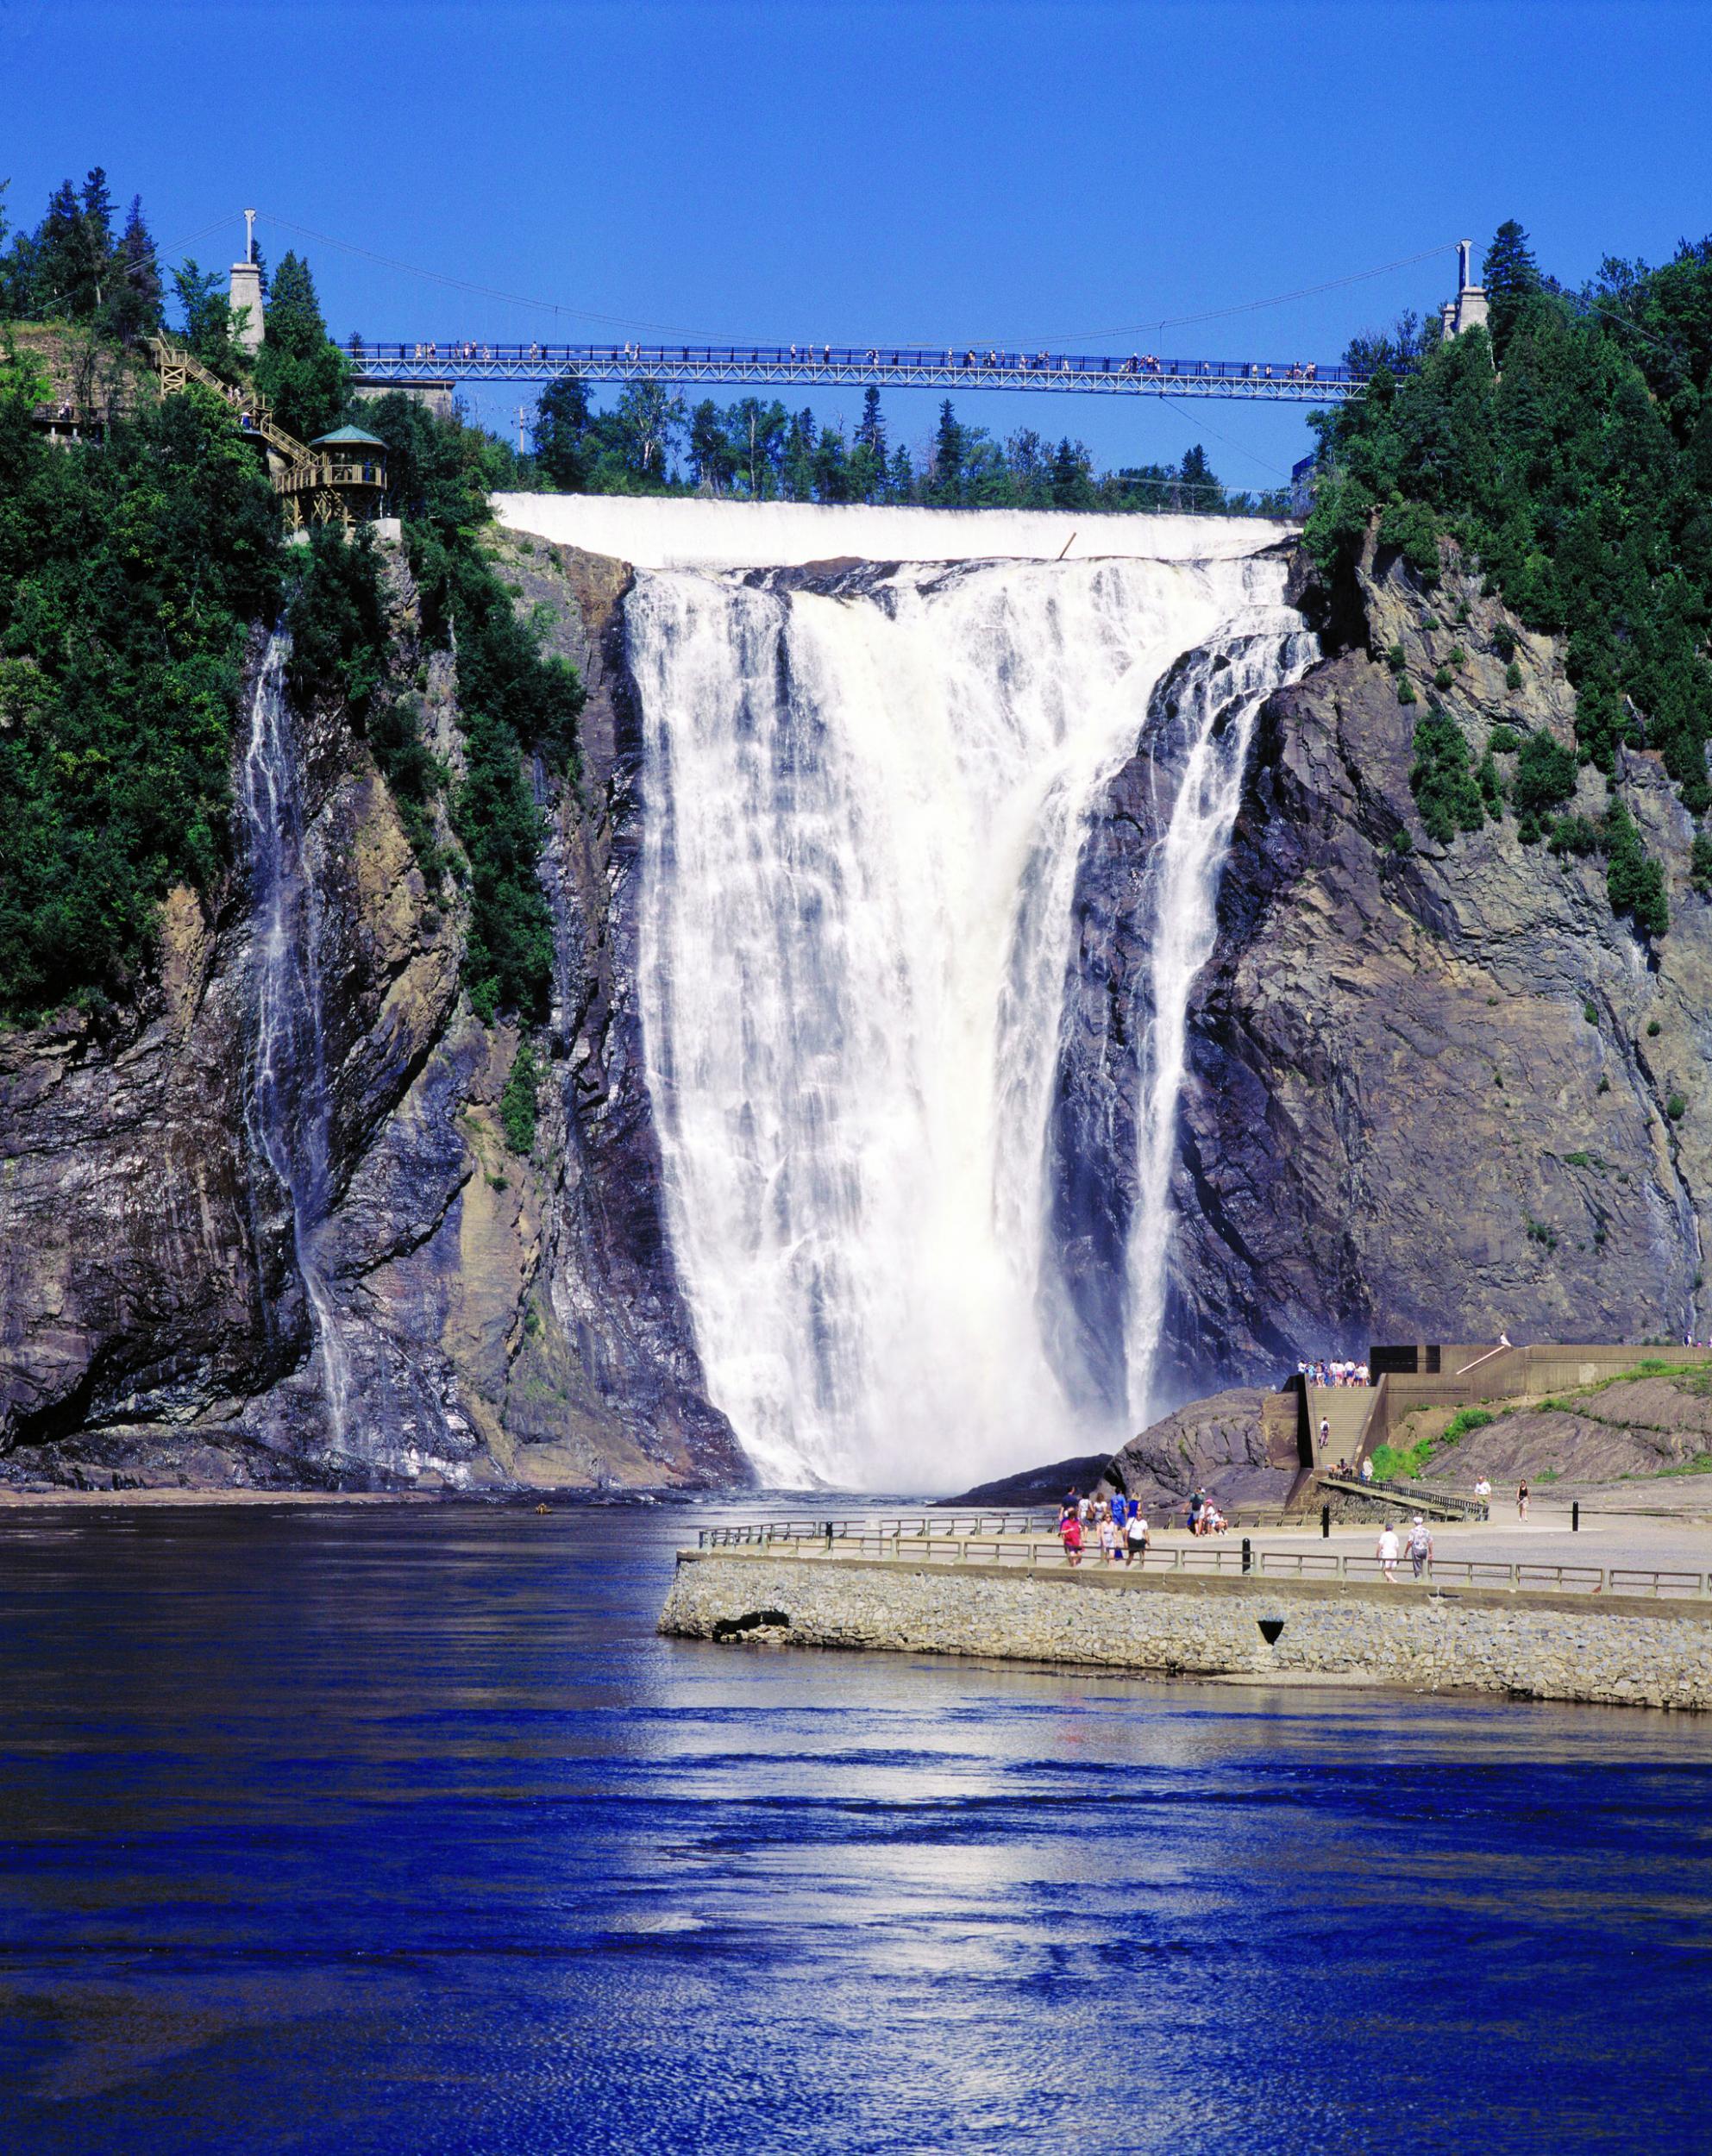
245,290
1468,310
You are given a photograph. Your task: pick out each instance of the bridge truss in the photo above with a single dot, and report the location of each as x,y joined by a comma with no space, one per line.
835,366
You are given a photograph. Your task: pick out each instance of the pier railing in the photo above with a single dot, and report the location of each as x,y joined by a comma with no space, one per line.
1012,1539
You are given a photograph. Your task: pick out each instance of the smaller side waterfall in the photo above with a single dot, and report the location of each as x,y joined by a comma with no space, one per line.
288,1108
1216,700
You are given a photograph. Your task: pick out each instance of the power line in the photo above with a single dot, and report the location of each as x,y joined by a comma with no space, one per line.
680,330
1249,306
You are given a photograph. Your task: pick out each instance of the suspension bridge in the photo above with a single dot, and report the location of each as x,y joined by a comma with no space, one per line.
452,359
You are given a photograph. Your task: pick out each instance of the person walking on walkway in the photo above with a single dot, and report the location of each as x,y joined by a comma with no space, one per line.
1070,1528
1421,1547
1110,1540
1521,1500
1138,1537
1387,1552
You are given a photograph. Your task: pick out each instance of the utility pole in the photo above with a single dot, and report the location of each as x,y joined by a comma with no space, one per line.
521,410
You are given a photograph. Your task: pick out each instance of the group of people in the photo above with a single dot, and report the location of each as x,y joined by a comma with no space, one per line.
1419,1544
1116,1526
1333,1372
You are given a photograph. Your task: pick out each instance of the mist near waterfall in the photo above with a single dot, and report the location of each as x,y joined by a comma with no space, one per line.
864,800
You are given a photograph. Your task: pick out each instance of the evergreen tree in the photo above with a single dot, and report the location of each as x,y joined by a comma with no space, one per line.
562,446
133,305
1511,277
867,457
945,484
799,466
1201,488
304,375
900,476
831,468
1072,482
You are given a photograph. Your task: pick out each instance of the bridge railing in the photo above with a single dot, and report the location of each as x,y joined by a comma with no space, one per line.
985,359
901,1541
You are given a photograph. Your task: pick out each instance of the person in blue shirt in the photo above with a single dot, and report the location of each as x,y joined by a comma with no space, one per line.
1121,1509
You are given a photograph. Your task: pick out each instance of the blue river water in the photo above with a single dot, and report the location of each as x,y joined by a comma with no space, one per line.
398,1829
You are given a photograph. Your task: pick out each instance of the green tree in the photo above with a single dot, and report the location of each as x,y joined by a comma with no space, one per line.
206,318
1072,480
302,373
713,461
1511,277
798,475
563,447
129,576
643,433
757,432
132,309
945,487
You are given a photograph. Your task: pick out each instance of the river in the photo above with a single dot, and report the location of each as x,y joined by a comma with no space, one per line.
396,1828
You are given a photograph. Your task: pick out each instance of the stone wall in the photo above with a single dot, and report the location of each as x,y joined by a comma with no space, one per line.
1627,1651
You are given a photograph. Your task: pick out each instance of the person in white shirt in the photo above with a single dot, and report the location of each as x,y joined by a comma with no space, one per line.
1387,1551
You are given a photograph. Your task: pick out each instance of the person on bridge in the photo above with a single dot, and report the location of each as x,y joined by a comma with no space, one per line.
1386,1550
1421,1547
1136,1537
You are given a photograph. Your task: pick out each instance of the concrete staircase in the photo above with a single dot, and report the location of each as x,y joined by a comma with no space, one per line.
1344,1409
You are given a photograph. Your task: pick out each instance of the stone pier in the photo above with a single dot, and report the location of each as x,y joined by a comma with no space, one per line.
1612,1649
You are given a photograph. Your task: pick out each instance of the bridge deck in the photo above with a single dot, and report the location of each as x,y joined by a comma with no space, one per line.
827,366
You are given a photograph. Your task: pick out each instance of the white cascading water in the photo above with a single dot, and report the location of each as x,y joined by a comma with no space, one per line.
289,1109
863,820
1219,700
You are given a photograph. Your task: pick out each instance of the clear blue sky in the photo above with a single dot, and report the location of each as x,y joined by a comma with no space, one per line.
1026,174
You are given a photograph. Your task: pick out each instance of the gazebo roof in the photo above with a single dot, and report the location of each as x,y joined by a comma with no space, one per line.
345,437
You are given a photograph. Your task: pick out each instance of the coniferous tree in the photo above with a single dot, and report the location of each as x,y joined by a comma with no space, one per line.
799,465
133,303
831,468
1201,490
1511,277
1072,482
302,373
951,442
867,454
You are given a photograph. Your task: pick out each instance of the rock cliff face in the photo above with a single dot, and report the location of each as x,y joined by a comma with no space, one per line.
1430,1088
497,1322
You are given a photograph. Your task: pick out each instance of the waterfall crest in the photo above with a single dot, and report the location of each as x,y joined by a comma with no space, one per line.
288,1108
864,800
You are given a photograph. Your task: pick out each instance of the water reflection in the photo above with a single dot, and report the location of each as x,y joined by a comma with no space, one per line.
399,1829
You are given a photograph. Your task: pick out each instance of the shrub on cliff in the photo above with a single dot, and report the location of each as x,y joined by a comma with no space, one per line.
129,576
513,699
1447,792
1579,479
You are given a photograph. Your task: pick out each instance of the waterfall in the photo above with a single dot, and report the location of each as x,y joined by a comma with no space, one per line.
865,797
288,1109
1217,698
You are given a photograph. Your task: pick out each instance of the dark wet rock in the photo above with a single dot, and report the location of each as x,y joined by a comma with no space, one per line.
1035,1485
1218,1444
502,1322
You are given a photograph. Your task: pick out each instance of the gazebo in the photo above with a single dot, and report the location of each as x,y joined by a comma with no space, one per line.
344,479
